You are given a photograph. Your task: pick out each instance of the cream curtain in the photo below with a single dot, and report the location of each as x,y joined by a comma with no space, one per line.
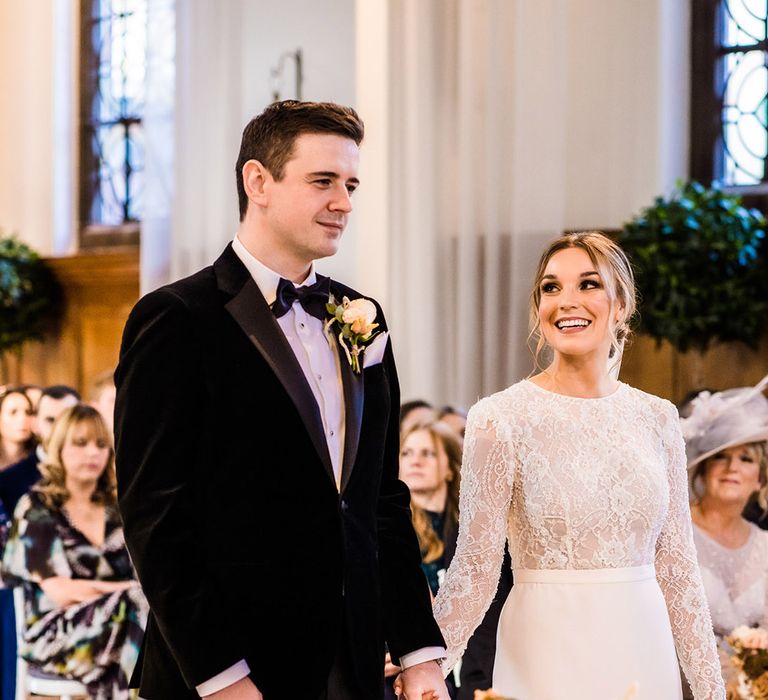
506,122
464,174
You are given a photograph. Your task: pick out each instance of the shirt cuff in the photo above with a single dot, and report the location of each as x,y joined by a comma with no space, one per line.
224,679
421,655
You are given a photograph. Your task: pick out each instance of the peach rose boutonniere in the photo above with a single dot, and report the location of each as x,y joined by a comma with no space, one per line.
355,320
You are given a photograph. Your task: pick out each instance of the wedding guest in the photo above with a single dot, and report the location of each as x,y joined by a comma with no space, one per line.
5,524
430,459
33,392
16,439
726,434
18,478
413,412
455,417
85,613
102,396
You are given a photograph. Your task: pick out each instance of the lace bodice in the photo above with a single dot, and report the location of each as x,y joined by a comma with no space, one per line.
577,484
736,580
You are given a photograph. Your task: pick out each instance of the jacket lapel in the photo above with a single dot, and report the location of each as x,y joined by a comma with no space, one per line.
353,411
249,309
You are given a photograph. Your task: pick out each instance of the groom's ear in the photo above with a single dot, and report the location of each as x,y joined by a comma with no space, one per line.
255,177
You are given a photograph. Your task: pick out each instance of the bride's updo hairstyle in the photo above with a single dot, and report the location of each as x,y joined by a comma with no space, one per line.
614,268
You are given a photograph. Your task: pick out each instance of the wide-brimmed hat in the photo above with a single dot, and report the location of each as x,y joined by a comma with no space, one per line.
718,420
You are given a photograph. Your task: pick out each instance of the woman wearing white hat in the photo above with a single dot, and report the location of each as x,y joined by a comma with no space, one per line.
725,434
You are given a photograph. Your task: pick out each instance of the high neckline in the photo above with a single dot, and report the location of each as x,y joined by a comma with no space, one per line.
614,393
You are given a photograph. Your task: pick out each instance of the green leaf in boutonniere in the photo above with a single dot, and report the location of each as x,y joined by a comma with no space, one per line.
355,320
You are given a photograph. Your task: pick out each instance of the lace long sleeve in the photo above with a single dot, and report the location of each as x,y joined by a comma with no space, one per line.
486,491
678,575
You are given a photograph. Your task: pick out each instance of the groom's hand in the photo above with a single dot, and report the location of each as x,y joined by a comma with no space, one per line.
244,689
422,682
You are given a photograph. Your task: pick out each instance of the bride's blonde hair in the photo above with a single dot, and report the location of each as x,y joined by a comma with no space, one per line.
612,264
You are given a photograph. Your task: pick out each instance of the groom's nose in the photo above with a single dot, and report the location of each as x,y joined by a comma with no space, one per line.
342,199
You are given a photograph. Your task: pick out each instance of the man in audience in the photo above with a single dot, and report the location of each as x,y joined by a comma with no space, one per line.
275,567
102,396
17,479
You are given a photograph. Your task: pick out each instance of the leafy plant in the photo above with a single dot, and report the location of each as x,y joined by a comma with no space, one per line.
30,296
700,261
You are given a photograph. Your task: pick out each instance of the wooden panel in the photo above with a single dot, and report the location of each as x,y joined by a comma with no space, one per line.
99,292
668,373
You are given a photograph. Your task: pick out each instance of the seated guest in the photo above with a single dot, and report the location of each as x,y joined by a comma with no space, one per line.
18,478
430,459
33,392
5,524
413,412
102,396
85,613
16,439
454,417
726,434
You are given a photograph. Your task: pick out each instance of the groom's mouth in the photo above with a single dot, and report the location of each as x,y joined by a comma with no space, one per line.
337,226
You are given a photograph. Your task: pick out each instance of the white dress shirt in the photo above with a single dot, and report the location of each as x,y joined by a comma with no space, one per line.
316,352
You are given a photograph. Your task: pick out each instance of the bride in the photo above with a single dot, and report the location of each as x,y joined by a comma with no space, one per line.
586,478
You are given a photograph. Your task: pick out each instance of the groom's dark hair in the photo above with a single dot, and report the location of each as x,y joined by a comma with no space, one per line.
269,137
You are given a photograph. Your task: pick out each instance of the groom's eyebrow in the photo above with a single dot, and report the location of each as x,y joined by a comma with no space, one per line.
332,175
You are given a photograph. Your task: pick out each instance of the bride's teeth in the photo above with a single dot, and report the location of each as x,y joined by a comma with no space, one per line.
572,323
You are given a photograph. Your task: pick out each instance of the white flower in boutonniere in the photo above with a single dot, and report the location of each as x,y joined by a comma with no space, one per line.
356,321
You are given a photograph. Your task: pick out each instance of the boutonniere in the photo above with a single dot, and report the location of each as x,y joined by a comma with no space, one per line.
355,320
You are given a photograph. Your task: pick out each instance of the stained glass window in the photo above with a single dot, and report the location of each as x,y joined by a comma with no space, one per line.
116,54
729,93
745,85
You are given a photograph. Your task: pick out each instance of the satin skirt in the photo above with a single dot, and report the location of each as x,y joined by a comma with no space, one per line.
594,634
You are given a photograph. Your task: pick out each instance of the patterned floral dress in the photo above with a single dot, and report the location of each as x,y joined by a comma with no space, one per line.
95,642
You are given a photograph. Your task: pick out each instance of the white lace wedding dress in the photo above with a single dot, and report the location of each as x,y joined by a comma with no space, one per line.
593,498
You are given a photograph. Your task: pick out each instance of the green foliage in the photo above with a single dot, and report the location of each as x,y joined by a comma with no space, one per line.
700,262
30,297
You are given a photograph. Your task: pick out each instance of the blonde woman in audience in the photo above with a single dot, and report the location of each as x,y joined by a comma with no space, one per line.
85,613
726,434
430,459
585,477
16,440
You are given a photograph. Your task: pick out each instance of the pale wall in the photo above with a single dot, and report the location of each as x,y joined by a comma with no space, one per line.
26,123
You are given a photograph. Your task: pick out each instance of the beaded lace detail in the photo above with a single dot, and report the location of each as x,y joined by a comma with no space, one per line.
736,580
578,484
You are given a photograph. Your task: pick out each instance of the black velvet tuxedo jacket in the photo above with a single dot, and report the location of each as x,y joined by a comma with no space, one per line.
242,543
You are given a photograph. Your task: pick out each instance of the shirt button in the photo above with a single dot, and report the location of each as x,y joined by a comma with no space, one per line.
319,377
302,325
331,432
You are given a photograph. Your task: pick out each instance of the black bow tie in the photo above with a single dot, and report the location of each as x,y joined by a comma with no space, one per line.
313,297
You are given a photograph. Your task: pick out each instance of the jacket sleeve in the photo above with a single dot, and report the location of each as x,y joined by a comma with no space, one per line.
158,422
406,600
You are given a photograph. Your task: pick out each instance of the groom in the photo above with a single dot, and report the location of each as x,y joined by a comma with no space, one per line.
257,467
